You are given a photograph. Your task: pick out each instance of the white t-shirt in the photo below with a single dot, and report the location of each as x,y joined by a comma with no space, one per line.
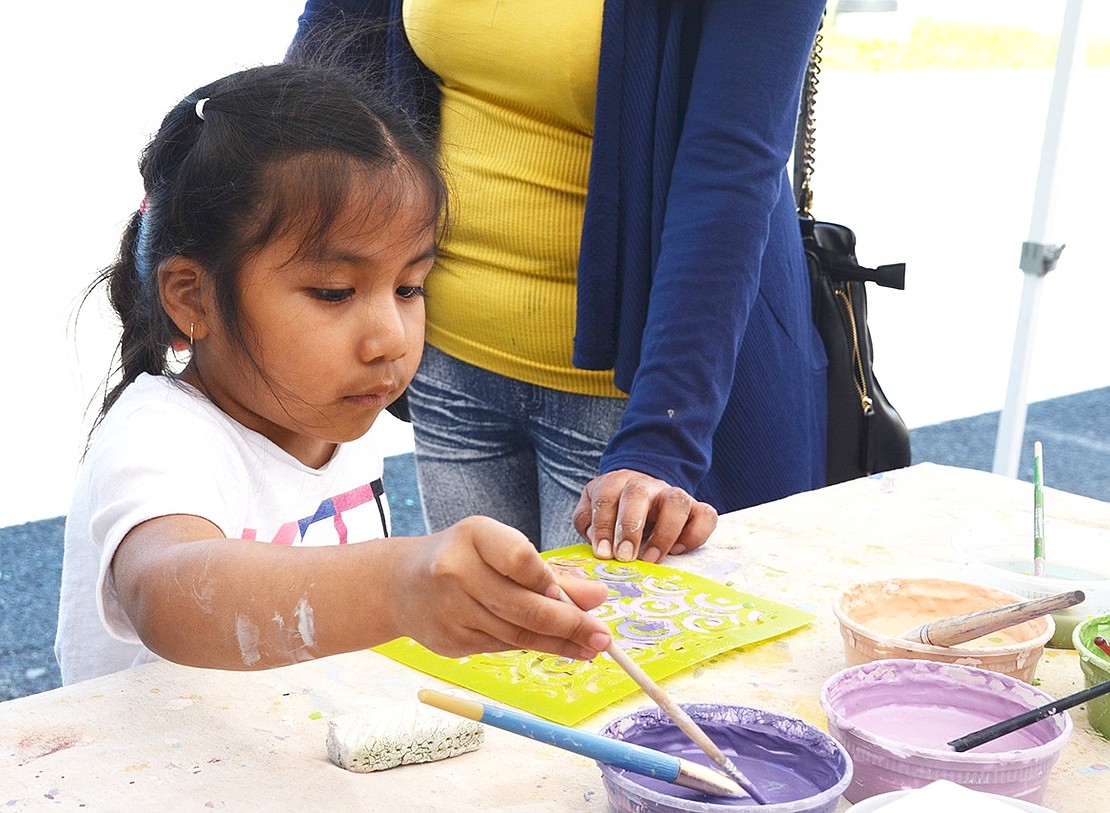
164,448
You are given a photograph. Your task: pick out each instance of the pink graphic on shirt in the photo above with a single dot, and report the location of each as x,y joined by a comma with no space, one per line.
287,534
329,510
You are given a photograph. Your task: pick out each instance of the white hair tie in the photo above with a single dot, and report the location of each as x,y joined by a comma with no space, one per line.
200,109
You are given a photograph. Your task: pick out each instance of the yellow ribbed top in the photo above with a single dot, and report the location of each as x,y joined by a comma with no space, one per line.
519,78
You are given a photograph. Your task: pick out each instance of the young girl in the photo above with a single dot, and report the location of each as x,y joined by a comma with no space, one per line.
289,223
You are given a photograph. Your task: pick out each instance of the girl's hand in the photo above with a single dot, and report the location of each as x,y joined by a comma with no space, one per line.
480,586
624,514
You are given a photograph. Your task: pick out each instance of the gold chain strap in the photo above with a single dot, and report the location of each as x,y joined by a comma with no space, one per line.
804,142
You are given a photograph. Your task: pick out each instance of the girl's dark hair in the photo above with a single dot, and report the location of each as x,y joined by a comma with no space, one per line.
279,146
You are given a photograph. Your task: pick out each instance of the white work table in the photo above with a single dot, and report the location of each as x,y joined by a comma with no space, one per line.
165,737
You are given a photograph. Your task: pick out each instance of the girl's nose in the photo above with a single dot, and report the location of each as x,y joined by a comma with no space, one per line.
383,333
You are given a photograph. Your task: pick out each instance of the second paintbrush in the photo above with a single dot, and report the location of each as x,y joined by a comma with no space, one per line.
620,754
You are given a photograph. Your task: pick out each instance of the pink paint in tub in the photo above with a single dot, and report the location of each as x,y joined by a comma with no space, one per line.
895,718
799,768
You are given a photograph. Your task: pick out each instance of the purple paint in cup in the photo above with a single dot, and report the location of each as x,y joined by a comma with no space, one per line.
896,717
799,768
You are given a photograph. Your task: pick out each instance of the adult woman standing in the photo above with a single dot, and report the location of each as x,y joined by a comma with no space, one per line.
622,222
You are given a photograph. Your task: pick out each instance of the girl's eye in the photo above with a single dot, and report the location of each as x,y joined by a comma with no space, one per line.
333,294
410,291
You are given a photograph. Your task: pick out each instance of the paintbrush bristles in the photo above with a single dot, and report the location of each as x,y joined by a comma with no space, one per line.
677,714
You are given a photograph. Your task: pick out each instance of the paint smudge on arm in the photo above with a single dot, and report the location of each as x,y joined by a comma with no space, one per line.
277,641
204,594
203,589
246,633
306,622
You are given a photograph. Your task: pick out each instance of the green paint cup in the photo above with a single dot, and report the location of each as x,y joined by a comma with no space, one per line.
1096,668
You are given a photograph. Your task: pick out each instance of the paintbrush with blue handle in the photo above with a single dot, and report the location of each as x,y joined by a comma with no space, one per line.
618,753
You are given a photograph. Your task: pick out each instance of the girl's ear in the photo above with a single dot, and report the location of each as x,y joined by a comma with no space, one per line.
184,288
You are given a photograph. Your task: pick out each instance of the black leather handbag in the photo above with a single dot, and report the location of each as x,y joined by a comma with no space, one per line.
865,433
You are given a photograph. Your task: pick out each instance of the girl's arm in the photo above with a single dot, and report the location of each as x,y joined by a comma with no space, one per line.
200,599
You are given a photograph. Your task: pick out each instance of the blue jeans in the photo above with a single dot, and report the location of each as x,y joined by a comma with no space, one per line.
494,446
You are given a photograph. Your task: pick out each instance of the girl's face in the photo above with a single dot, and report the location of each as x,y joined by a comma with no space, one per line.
335,330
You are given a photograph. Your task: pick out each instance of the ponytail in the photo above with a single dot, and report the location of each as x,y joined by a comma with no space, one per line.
146,332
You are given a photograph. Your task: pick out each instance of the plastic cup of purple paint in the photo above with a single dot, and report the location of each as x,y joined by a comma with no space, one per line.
799,768
896,717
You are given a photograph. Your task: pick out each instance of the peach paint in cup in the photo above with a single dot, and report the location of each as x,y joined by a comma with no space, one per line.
874,615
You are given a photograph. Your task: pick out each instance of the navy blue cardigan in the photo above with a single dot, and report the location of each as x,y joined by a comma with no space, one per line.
692,283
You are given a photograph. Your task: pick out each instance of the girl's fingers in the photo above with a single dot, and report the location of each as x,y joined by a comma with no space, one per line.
586,593
504,589
500,637
508,552
542,622
532,622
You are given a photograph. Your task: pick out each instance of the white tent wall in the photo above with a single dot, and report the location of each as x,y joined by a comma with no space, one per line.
87,85
939,169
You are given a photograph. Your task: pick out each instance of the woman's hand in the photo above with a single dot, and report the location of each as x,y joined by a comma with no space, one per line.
624,514
480,586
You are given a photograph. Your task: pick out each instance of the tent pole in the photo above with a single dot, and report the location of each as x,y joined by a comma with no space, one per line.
1037,256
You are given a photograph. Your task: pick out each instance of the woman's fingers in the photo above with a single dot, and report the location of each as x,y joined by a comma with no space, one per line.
682,525
626,514
599,511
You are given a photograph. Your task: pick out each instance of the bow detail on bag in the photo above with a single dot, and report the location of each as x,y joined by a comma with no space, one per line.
834,248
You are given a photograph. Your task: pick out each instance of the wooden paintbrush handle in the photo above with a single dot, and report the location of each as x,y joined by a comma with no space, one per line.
960,628
678,715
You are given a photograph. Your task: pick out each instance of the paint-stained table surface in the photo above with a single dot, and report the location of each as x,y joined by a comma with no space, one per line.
169,737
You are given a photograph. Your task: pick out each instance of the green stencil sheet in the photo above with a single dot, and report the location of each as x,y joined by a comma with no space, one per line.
665,618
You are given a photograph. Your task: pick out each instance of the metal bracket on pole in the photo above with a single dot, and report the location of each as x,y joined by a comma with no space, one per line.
1039,258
